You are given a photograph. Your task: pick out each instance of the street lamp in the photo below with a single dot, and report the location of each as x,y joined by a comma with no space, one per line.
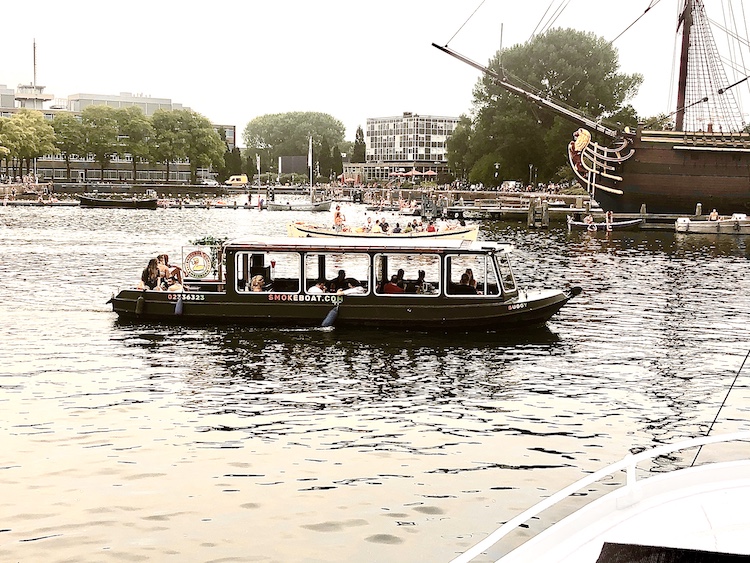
531,166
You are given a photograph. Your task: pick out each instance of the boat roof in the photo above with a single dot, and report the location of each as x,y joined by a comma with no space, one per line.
366,244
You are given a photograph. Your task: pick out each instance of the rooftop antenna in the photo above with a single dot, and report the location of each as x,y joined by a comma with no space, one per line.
34,83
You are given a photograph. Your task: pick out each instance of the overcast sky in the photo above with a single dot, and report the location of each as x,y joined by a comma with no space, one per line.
235,60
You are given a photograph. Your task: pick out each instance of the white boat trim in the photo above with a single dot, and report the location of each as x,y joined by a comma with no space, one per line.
579,537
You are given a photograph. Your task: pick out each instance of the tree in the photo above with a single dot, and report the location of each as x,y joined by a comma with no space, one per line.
337,162
458,147
324,159
200,141
135,135
168,144
100,131
358,152
26,136
571,66
69,137
287,134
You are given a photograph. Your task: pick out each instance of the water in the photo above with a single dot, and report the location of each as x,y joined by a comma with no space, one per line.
151,443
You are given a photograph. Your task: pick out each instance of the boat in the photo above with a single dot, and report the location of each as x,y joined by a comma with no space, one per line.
736,224
300,229
705,159
118,202
435,292
696,514
324,205
603,226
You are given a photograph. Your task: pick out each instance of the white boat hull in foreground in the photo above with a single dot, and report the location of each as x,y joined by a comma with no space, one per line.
702,508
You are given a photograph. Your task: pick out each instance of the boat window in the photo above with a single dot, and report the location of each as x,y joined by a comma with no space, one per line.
506,273
277,272
415,274
338,270
471,274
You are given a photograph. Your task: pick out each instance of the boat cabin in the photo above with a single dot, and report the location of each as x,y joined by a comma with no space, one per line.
428,270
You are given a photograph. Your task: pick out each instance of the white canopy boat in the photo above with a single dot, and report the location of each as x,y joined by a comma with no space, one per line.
300,229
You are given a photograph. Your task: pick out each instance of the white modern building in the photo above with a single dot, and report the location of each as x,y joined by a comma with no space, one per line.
406,143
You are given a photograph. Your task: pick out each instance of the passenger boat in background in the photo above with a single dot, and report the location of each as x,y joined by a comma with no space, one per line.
118,202
301,206
697,514
300,229
737,224
273,281
705,159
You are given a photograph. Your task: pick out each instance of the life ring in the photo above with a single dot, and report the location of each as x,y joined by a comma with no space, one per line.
591,228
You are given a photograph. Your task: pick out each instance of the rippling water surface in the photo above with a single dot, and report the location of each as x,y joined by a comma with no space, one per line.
152,443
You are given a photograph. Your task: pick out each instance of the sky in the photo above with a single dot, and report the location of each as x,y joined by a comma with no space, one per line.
232,61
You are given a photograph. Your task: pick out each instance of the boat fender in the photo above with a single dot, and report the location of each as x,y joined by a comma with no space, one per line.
139,304
178,306
574,291
331,317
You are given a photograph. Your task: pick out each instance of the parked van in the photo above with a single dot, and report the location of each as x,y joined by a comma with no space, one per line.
237,180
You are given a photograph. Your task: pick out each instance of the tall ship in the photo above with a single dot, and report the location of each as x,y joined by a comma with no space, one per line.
704,159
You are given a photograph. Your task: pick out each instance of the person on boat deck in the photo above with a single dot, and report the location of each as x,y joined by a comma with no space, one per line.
376,227
256,283
463,288
396,229
173,274
713,216
431,227
338,219
588,219
319,287
353,287
368,225
337,283
151,277
392,286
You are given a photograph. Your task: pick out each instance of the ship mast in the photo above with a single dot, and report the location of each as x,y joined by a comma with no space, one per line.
687,24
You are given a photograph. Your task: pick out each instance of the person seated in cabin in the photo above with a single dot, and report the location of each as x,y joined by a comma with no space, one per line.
256,283
463,288
151,277
400,278
337,283
392,286
319,287
353,287
713,216
472,281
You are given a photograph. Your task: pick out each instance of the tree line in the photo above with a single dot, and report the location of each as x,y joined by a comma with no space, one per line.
103,132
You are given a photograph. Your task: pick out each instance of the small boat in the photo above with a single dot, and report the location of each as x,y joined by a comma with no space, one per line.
737,224
302,206
300,229
277,282
604,226
115,202
696,514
